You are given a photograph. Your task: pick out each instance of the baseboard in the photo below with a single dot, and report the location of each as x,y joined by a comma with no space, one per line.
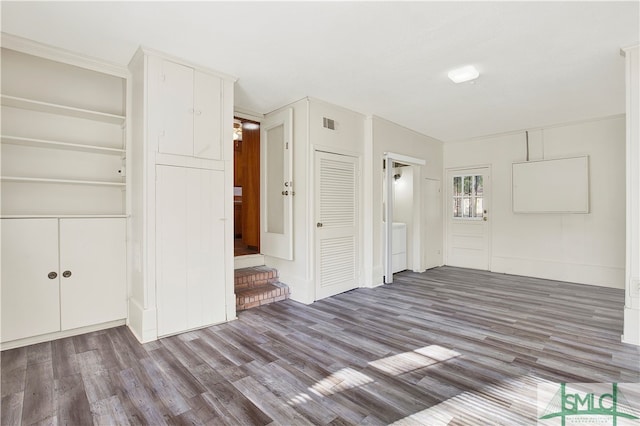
631,326
60,335
600,275
142,322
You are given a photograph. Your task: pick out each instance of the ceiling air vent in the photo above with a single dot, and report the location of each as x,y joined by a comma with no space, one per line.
328,123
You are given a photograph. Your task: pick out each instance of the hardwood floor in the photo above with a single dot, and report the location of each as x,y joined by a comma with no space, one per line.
449,346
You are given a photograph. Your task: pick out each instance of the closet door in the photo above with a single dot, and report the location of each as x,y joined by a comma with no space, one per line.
190,248
92,271
208,116
176,93
30,280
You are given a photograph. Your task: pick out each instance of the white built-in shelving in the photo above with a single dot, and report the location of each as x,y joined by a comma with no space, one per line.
43,143
34,105
63,135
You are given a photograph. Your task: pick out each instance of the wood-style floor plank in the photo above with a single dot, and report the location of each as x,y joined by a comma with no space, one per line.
446,347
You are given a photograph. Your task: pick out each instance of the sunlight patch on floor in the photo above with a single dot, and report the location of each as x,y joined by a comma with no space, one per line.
511,401
405,362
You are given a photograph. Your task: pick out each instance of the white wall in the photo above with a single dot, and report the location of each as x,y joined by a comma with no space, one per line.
385,136
310,135
583,248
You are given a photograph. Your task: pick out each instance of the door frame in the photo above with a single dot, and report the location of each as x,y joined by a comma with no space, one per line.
415,163
446,195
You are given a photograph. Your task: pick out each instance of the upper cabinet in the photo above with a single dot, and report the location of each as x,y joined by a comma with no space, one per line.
185,107
191,118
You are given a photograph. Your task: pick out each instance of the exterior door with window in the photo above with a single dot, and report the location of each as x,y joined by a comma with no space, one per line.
468,218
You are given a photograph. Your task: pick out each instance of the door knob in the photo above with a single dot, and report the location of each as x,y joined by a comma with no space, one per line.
52,275
66,274
285,192
319,225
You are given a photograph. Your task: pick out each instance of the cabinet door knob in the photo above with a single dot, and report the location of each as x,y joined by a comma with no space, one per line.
52,275
319,225
66,274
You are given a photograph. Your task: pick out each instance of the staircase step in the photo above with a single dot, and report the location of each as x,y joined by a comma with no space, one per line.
261,295
256,276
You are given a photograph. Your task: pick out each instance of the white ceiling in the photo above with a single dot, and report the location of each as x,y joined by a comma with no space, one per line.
540,63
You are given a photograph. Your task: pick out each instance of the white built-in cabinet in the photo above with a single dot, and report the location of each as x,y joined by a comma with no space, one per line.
64,198
190,248
182,196
191,102
61,274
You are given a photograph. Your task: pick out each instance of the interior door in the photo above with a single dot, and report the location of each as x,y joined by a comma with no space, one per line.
30,280
336,213
468,198
277,185
93,282
190,240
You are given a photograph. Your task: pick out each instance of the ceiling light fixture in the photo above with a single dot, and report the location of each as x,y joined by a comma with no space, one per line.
460,75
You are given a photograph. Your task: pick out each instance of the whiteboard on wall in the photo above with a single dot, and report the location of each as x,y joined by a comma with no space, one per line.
551,186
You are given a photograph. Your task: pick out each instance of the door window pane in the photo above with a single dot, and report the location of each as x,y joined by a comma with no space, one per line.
479,185
479,209
468,197
467,185
457,186
457,207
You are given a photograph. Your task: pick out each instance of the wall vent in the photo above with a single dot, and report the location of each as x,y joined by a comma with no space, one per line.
328,123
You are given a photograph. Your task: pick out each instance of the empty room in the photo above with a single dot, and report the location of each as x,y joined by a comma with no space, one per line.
320,213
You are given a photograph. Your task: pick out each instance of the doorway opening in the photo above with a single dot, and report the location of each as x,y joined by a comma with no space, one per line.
402,215
246,186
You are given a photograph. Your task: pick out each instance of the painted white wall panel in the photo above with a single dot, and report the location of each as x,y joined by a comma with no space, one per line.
585,248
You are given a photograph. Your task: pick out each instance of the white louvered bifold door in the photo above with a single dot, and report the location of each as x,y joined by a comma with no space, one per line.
336,191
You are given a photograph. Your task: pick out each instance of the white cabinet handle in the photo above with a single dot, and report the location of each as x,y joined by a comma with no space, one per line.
198,112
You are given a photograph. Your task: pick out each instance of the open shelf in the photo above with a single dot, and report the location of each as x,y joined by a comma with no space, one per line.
30,104
43,143
69,181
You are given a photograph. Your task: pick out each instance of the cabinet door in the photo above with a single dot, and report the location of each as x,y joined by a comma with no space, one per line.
208,116
30,299
93,251
176,101
190,248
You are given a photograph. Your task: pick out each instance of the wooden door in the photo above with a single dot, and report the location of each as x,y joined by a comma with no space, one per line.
190,271
92,255
336,213
468,196
176,100
30,297
277,185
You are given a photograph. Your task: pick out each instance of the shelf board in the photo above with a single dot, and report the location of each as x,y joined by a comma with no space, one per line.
69,181
43,143
63,216
14,101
